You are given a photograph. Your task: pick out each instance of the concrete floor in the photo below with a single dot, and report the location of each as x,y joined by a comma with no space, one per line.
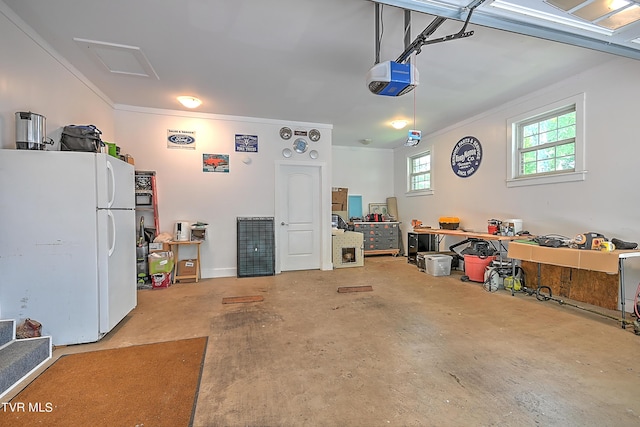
416,351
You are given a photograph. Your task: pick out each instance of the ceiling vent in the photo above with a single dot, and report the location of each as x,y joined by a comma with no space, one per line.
119,59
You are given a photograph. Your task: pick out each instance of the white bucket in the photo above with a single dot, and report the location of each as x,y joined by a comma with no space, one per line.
492,278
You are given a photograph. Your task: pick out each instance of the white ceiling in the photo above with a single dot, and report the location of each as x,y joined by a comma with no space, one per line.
300,60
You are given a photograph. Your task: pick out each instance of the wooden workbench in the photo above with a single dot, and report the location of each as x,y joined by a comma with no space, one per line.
464,234
440,234
583,259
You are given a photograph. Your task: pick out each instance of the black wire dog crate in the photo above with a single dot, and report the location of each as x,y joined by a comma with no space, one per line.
256,247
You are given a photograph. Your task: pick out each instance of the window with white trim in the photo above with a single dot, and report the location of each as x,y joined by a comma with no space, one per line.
547,145
419,173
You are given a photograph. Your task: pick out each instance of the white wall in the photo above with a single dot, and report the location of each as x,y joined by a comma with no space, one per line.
186,193
33,79
605,202
364,171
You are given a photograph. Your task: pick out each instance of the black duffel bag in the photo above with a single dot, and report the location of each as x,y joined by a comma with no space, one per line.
81,138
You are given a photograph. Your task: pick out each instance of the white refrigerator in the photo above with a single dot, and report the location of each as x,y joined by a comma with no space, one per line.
67,242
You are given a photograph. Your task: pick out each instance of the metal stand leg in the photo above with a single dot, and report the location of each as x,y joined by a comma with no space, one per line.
622,295
175,248
539,276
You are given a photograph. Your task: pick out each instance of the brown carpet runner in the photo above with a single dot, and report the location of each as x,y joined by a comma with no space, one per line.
143,385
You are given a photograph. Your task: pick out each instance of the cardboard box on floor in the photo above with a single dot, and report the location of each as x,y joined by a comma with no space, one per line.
160,280
187,267
339,199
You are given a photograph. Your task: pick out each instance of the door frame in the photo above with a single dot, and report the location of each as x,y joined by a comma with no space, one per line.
324,206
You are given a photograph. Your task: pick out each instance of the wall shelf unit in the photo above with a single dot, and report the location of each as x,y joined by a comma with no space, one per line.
147,200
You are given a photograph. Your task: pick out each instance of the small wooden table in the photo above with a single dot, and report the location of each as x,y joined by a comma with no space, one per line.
175,247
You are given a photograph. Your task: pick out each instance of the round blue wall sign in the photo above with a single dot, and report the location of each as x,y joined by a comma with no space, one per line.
466,157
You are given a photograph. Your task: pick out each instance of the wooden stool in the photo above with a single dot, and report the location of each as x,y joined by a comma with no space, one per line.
175,247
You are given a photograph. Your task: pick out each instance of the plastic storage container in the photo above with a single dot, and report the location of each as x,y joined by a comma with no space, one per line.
449,222
421,262
111,148
438,265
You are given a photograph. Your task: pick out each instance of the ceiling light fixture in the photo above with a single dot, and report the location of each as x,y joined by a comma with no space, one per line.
399,124
189,101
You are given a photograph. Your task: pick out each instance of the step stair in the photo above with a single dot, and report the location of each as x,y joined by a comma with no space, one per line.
19,358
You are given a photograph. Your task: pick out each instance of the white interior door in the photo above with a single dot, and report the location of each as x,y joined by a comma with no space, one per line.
299,213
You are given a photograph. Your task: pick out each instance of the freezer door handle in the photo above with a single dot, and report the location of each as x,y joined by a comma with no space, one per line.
112,247
112,178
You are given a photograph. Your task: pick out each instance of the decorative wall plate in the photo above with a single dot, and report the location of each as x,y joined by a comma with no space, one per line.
300,145
285,133
314,135
287,153
313,154
466,156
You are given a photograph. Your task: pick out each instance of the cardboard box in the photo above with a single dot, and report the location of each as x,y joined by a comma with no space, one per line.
160,262
339,198
160,280
159,247
585,259
187,267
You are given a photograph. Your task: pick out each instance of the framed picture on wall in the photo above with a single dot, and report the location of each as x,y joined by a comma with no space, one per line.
247,143
184,139
354,205
378,208
215,163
